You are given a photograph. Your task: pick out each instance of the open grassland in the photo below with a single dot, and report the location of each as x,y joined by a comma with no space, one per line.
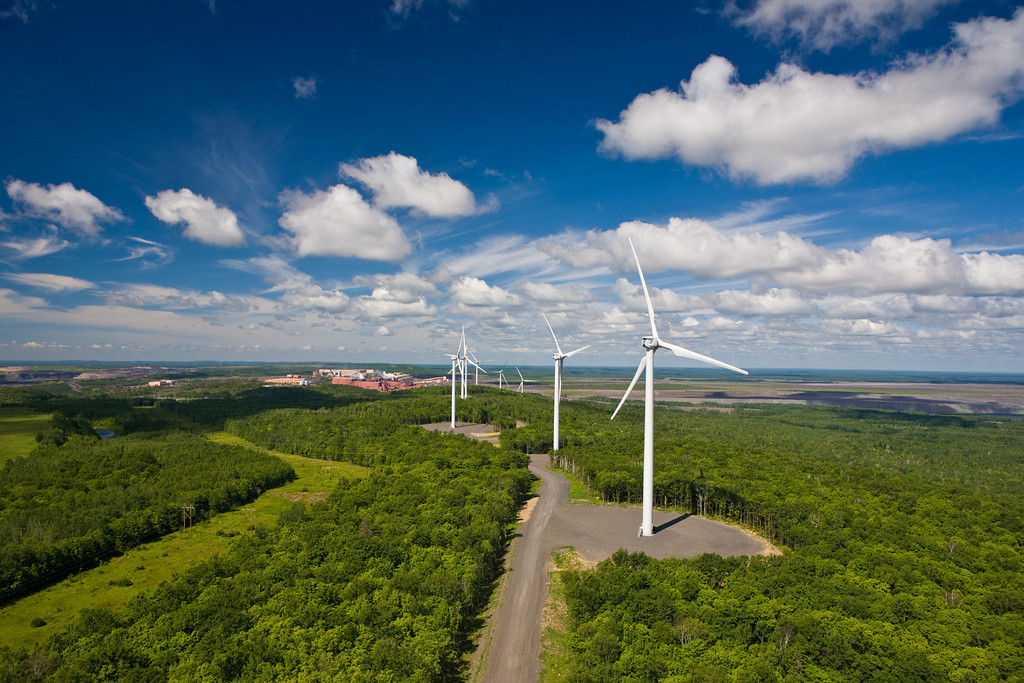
18,429
114,583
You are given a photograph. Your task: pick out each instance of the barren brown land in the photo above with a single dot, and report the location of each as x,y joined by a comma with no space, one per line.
939,399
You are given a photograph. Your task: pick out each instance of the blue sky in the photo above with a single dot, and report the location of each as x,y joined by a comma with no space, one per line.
808,183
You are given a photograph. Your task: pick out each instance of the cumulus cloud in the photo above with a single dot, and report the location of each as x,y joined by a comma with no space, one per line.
823,24
204,220
50,282
398,181
339,222
471,291
305,88
65,205
800,126
314,297
404,287
891,263
888,263
396,296
691,245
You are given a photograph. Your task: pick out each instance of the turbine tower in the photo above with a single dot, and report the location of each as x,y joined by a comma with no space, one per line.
652,344
501,375
465,362
559,357
521,380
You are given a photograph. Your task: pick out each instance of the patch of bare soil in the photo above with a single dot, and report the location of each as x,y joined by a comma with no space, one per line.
304,496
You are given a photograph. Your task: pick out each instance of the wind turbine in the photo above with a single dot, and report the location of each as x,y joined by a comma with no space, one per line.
521,380
501,375
559,357
454,360
652,344
465,362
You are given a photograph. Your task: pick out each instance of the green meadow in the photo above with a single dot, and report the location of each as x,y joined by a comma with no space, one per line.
18,429
114,583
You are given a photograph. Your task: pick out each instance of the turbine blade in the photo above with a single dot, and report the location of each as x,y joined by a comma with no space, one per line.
639,371
573,353
643,283
520,374
557,347
467,360
686,353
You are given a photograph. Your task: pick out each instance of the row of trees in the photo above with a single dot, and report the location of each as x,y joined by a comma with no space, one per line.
68,506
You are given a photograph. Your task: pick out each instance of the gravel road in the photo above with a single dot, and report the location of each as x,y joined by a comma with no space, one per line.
595,532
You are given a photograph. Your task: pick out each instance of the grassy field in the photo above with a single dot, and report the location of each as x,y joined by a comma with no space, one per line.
18,429
113,583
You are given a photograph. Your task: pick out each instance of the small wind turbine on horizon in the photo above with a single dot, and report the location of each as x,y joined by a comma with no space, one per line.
501,375
652,344
559,357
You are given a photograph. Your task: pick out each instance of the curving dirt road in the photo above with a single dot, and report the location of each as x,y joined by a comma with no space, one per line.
595,532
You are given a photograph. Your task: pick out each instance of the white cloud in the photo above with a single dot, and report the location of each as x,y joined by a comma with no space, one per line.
339,222
406,7
774,302
394,296
204,220
471,291
316,298
542,292
150,254
64,204
34,248
801,126
403,287
890,263
503,254
305,88
398,181
50,282
691,245
823,24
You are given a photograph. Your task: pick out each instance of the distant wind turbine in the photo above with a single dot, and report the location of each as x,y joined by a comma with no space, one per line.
559,357
465,362
522,381
652,344
501,375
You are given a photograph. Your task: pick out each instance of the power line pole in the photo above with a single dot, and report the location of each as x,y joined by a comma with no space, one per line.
186,517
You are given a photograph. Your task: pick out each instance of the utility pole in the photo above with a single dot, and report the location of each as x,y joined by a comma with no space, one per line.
186,517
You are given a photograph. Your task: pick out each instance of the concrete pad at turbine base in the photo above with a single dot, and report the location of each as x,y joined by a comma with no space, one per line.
595,532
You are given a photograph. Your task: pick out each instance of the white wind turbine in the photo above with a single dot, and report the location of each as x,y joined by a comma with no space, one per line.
465,362
522,381
501,375
652,344
559,357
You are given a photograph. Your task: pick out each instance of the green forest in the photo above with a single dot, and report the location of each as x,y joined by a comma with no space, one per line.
901,538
